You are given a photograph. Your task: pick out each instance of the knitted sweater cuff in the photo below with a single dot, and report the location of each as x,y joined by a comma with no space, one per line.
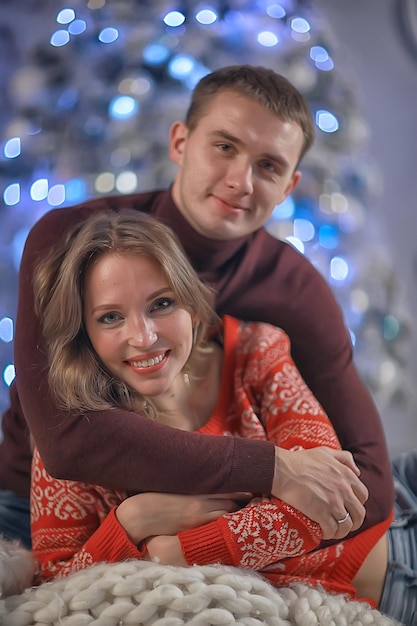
205,545
111,543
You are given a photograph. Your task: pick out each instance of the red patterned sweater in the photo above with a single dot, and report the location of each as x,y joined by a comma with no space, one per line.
262,397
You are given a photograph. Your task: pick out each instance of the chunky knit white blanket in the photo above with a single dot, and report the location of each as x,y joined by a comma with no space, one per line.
143,593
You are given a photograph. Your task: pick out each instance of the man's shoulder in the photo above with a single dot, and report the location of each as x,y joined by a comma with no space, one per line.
270,251
75,213
55,222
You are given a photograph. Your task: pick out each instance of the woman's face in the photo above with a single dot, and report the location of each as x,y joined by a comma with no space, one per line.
142,335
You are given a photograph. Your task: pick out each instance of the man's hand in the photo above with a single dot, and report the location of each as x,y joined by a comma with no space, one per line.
323,484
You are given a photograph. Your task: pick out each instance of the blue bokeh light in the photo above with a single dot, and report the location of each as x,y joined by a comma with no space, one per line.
339,268
6,329
108,35
174,19
285,210
352,337
39,189
326,121
11,195
328,237
181,66
155,54
9,374
276,11
123,107
300,25
206,16
325,66
77,27
12,148
56,195
318,53
59,38
67,100
75,190
65,16
304,229
297,243
267,38
18,244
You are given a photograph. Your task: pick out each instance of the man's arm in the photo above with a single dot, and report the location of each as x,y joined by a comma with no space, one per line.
116,448
283,288
329,370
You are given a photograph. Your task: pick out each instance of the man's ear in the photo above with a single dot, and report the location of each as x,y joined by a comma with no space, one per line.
294,182
177,138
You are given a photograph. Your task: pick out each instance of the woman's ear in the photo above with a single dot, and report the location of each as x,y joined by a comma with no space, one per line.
177,139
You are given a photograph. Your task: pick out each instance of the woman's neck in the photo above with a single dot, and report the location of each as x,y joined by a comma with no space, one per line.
192,399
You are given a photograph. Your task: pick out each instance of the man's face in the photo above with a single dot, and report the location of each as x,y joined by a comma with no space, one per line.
234,167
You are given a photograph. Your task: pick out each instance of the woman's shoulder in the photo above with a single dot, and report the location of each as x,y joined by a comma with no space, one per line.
258,338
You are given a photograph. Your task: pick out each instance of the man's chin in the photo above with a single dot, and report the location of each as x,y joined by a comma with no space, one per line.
226,234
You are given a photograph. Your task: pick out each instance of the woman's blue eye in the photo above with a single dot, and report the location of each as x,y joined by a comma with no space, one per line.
163,303
109,318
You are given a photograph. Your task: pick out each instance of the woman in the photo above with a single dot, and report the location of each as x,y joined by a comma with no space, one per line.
129,324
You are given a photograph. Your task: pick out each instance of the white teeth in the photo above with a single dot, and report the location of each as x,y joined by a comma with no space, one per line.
148,362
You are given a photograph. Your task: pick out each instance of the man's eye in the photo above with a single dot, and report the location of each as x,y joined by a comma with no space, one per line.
267,165
225,147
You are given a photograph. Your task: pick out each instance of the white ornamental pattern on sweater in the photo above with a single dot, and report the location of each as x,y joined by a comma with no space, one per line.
264,534
269,386
67,499
76,505
273,402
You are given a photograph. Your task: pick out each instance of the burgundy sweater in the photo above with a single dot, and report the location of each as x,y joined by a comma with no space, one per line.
257,278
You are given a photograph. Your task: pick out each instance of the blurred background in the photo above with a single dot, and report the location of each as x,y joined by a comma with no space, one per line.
89,89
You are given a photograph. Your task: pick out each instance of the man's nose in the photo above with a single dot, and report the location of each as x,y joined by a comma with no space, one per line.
239,175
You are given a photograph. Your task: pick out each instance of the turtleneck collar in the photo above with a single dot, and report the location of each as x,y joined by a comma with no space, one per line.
206,255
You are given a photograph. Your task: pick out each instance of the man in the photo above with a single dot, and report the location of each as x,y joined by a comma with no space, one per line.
237,155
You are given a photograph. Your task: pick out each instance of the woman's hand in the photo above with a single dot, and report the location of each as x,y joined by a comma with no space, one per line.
150,514
165,550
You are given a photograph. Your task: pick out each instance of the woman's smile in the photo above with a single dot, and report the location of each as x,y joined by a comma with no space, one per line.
150,364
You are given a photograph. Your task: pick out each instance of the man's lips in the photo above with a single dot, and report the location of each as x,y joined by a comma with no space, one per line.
230,205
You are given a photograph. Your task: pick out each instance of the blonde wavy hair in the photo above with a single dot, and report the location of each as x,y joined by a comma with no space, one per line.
77,377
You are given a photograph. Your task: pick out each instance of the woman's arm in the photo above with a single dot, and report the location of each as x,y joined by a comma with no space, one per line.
263,532
270,396
75,524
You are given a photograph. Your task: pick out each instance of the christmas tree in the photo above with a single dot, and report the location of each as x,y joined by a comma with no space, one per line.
90,98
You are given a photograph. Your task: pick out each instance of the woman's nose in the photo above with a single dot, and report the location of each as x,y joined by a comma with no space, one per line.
142,332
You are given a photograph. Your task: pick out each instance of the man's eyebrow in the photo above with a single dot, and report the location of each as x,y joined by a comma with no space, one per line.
276,158
223,134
